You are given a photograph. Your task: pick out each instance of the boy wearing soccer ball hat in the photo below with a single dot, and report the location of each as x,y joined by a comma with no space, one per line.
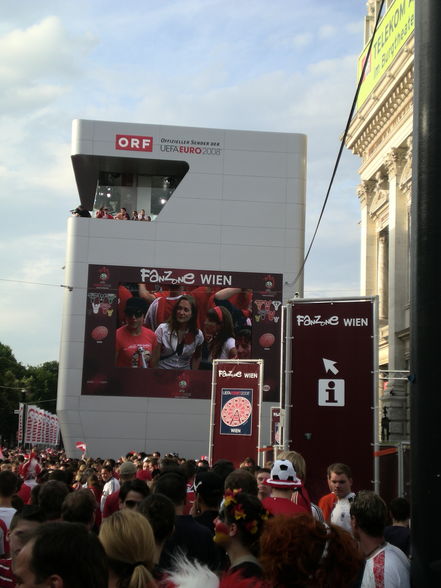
283,482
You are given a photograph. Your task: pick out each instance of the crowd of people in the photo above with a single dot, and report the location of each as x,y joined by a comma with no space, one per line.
106,213
151,521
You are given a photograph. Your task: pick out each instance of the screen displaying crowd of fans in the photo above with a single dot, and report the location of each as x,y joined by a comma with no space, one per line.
177,329
182,329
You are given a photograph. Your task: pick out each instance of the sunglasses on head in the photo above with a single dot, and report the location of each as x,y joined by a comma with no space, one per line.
136,313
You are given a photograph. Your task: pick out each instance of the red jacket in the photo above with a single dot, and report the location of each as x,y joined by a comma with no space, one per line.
327,503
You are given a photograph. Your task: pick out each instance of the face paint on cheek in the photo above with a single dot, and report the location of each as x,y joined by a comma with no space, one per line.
221,532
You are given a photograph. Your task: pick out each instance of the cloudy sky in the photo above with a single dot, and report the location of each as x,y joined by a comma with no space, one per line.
285,65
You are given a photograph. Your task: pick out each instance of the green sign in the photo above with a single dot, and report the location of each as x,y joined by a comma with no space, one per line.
396,26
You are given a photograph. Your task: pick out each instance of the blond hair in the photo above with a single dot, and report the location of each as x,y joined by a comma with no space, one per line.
297,461
129,543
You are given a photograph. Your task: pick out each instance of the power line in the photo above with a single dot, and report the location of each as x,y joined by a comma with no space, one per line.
342,144
39,401
70,288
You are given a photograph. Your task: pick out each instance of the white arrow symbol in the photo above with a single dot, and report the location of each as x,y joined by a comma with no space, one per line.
330,366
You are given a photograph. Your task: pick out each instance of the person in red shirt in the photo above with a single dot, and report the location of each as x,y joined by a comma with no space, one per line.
144,474
336,505
123,295
283,482
136,346
22,525
127,473
24,492
301,497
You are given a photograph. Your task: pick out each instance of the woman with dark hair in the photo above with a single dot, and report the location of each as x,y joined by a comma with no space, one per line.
301,551
122,214
179,338
219,336
237,530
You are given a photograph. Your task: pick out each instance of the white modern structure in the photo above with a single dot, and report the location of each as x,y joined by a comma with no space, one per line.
231,202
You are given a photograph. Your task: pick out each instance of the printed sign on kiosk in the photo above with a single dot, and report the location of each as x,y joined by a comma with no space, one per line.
332,387
235,409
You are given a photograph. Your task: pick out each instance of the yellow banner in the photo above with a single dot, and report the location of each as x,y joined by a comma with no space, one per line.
396,26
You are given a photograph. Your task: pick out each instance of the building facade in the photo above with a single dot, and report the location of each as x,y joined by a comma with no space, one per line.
227,210
381,135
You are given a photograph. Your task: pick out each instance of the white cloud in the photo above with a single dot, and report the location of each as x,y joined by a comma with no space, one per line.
30,314
283,66
355,28
33,56
302,39
327,32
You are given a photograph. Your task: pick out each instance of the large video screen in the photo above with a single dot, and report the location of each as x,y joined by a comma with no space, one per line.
154,332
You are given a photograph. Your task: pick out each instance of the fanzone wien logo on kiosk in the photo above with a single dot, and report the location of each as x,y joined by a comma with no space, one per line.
133,143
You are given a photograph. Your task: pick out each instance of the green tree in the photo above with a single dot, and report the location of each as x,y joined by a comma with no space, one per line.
30,384
41,385
11,372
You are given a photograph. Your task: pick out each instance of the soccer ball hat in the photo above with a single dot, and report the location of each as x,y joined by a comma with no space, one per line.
283,475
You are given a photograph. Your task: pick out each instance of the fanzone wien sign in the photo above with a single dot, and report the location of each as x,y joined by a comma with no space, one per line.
235,405
332,387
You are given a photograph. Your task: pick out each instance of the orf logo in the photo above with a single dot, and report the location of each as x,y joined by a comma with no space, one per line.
133,143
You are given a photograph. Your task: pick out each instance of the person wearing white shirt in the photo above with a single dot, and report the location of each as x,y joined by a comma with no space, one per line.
386,565
111,484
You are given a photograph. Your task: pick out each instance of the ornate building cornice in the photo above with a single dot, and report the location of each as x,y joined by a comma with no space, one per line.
386,108
391,114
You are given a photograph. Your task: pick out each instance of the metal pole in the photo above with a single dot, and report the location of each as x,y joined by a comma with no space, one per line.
426,297
400,470
282,394
212,408
376,407
260,456
288,377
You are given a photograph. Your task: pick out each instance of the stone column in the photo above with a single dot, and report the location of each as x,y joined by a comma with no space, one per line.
368,240
369,21
382,272
398,292
379,211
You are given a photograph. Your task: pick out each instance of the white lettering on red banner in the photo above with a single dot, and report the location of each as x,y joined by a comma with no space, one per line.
229,374
133,143
308,321
169,277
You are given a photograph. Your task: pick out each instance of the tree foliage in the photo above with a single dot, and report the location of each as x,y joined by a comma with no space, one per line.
18,383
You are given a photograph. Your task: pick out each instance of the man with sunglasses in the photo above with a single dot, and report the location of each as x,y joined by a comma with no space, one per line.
136,346
127,473
132,493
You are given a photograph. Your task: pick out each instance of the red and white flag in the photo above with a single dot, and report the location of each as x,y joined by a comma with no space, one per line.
31,468
81,446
